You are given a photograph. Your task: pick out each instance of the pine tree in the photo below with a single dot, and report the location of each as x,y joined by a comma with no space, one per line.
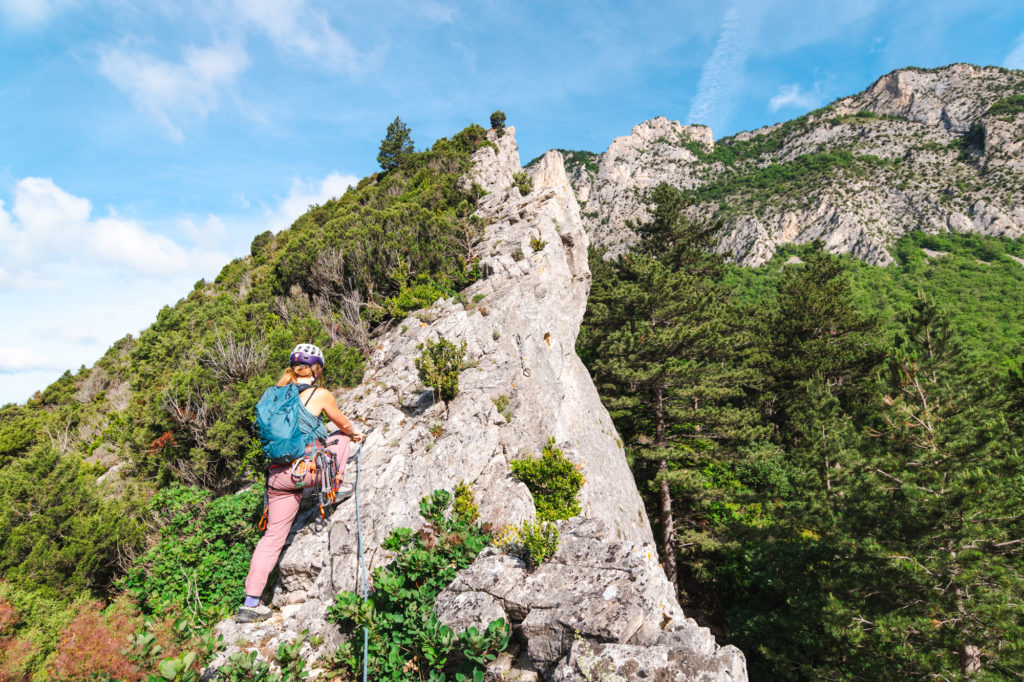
396,145
936,512
816,335
661,348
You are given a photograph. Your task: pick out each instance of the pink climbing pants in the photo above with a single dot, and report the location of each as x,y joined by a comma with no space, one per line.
283,506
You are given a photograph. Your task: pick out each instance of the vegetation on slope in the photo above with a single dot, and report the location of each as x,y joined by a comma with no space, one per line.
865,521
171,410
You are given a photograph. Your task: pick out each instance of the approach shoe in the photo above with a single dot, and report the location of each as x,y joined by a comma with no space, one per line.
345,491
253,614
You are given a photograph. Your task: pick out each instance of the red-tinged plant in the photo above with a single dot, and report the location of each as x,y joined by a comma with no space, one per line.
94,643
15,654
8,616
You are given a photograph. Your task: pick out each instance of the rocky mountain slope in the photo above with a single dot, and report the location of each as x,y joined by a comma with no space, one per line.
602,603
936,150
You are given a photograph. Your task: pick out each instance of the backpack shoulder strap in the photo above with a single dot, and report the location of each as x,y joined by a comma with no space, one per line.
311,394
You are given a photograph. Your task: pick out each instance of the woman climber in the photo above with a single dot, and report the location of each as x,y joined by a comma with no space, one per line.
287,481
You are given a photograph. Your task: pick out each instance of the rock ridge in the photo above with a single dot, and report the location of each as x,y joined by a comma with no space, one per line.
917,150
519,323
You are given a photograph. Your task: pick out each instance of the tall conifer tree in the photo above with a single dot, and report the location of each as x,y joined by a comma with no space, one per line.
662,350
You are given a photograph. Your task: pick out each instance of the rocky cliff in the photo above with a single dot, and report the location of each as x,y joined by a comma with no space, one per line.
936,150
602,603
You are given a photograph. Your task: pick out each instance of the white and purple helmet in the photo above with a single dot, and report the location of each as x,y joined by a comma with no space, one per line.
306,354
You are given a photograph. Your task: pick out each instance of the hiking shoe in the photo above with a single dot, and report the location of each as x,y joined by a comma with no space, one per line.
252,614
345,491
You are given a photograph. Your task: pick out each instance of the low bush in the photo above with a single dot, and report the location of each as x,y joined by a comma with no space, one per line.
200,561
534,543
439,366
406,640
523,181
554,481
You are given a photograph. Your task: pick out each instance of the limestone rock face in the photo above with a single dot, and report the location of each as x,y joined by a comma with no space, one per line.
591,593
519,324
916,150
493,169
656,151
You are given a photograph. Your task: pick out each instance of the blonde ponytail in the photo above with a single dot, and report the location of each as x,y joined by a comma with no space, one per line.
296,372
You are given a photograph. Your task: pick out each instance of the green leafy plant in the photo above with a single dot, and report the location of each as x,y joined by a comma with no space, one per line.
537,244
406,640
202,555
439,366
465,508
502,402
523,182
534,543
436,430
553,480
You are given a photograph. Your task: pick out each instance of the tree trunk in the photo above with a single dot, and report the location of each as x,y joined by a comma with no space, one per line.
970,659
668,528
668,525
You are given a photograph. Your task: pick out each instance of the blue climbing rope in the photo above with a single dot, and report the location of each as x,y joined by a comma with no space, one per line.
359,538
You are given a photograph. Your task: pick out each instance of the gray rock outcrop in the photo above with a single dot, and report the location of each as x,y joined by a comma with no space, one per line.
519,323
592,593
918,150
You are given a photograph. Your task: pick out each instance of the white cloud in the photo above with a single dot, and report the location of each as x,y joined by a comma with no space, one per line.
126,243
23,359
50,218
792,96
73,333
54,229
175,91
721,80
30,13
306,194
1015,60
294,27
211,233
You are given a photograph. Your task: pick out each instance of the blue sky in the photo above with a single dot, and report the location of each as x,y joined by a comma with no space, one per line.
144,144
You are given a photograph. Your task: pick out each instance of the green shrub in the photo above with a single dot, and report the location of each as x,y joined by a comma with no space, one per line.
58,529
523,181
502,403
534,543
439,366
536,243
1007,108
406,640
465,508
553,480
201,559
498,122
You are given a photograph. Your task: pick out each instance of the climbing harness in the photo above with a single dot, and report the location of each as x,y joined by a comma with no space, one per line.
522,361
324,470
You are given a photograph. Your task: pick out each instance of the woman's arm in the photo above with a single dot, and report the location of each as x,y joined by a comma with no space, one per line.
329,406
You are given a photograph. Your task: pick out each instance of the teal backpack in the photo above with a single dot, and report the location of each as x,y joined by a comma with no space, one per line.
277,420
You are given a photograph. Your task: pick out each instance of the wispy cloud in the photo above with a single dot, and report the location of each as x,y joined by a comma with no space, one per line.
1015,60
295,27
792,96
23,14
174,92
721,80
308,193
